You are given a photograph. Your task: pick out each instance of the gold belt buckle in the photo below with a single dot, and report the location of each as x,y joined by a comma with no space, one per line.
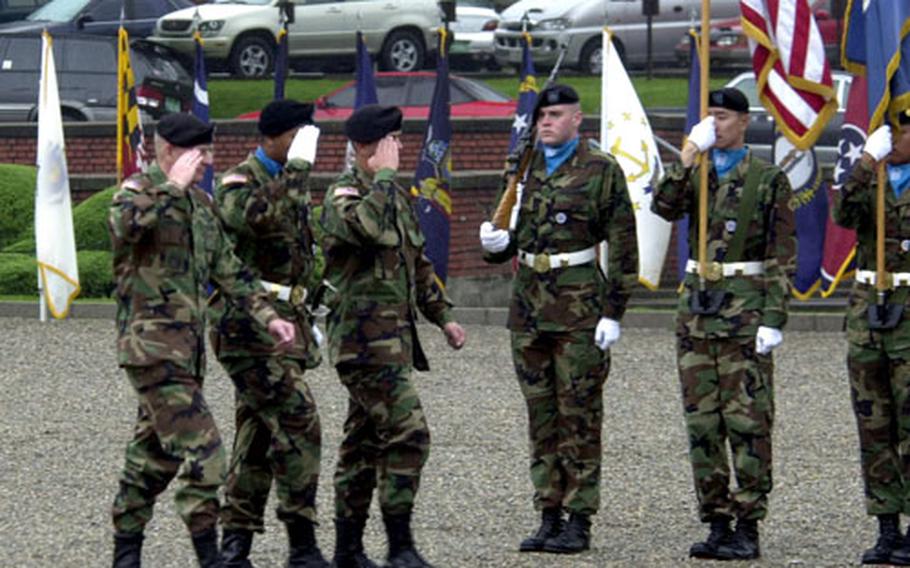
714,271
889,280
542,263
298,295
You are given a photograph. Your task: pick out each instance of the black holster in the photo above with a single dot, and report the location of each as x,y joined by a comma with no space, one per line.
884,316
707,302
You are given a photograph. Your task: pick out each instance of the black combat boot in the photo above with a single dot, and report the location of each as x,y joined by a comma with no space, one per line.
901,554
402,553
743,545
127,550
550,525
720,534
205,544
574,537
889,538
302,549
349,544
235,548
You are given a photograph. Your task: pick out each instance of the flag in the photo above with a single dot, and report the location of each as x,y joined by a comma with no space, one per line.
364,89
130,156
626,133
793,78
877,45
201,103
281,61
527,93
54,240
837,262
693,117
434,168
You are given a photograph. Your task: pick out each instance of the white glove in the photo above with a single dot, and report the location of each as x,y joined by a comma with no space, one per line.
493,239
303,145
878,145
703,135
317,336
767,339
607,333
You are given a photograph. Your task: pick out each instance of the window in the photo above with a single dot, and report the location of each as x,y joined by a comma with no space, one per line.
106,11
24,54
85,56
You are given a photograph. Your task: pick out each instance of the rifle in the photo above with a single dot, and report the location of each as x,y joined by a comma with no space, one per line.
520,160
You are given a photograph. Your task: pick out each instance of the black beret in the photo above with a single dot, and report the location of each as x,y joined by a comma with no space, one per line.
370,123
729,98
282,115
555,95
185,130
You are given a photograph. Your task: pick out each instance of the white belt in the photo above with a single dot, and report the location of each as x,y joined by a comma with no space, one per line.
544,262
292,294
870,277
727,269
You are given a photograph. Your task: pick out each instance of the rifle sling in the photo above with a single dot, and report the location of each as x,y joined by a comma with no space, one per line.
747,201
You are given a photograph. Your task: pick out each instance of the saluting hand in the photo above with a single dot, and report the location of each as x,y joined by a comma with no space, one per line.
183,172
455,335
283,332
386,155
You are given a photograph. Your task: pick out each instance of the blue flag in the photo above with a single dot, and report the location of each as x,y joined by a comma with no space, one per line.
434,168
877,45
693,116
365,83
527,93
281,61
201,103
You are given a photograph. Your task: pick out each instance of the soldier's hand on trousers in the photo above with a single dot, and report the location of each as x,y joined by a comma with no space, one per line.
183,172
455,335
878,145
703,134
304,144
607,333
493,239
766,339
283,332
317,336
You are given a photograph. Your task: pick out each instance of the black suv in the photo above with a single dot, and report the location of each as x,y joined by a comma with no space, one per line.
87,78
12,10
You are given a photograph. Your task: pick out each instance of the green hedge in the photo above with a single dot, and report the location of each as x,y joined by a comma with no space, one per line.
17,202
19,274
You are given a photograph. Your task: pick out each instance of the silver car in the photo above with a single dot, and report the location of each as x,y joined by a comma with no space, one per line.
578,24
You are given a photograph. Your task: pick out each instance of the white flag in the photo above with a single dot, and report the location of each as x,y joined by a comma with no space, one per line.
54,240
626,134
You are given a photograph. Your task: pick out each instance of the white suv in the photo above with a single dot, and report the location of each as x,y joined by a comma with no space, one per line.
240,34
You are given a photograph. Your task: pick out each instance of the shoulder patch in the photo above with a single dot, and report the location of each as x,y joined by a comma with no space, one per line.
231,179
346,192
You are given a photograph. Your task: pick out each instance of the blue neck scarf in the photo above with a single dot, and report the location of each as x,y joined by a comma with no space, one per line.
271,166
726,160
556,155
899,176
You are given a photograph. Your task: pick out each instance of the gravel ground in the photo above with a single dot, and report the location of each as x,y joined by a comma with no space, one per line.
66,414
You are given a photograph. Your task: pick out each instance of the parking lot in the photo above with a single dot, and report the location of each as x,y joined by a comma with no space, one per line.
66,413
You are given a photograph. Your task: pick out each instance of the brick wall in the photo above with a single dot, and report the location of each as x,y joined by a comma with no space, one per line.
478,149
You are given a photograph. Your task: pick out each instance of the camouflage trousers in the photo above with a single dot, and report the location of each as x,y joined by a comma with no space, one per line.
728,396
386,441
175,434
278,436
562,377
880,391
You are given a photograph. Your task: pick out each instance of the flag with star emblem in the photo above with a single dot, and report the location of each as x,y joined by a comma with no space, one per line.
837,261
201,103
626,134
527,93
55,243
434,168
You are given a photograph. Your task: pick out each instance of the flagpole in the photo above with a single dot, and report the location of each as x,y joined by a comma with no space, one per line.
703,49
880,283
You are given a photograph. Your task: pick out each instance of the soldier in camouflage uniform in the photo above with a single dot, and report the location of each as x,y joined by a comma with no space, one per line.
725,334
264,204
378,276
564,314
879,351
168,246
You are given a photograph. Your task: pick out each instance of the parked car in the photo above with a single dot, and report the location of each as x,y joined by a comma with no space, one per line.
578,25
476,22
761,134
87,78
730,46
240,34
100,17
412,92
12,10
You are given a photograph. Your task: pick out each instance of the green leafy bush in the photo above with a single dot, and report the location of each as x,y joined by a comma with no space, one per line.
17,202
19,274
90,221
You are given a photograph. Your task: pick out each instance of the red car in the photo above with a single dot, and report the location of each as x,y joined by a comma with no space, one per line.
412,91
730,46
